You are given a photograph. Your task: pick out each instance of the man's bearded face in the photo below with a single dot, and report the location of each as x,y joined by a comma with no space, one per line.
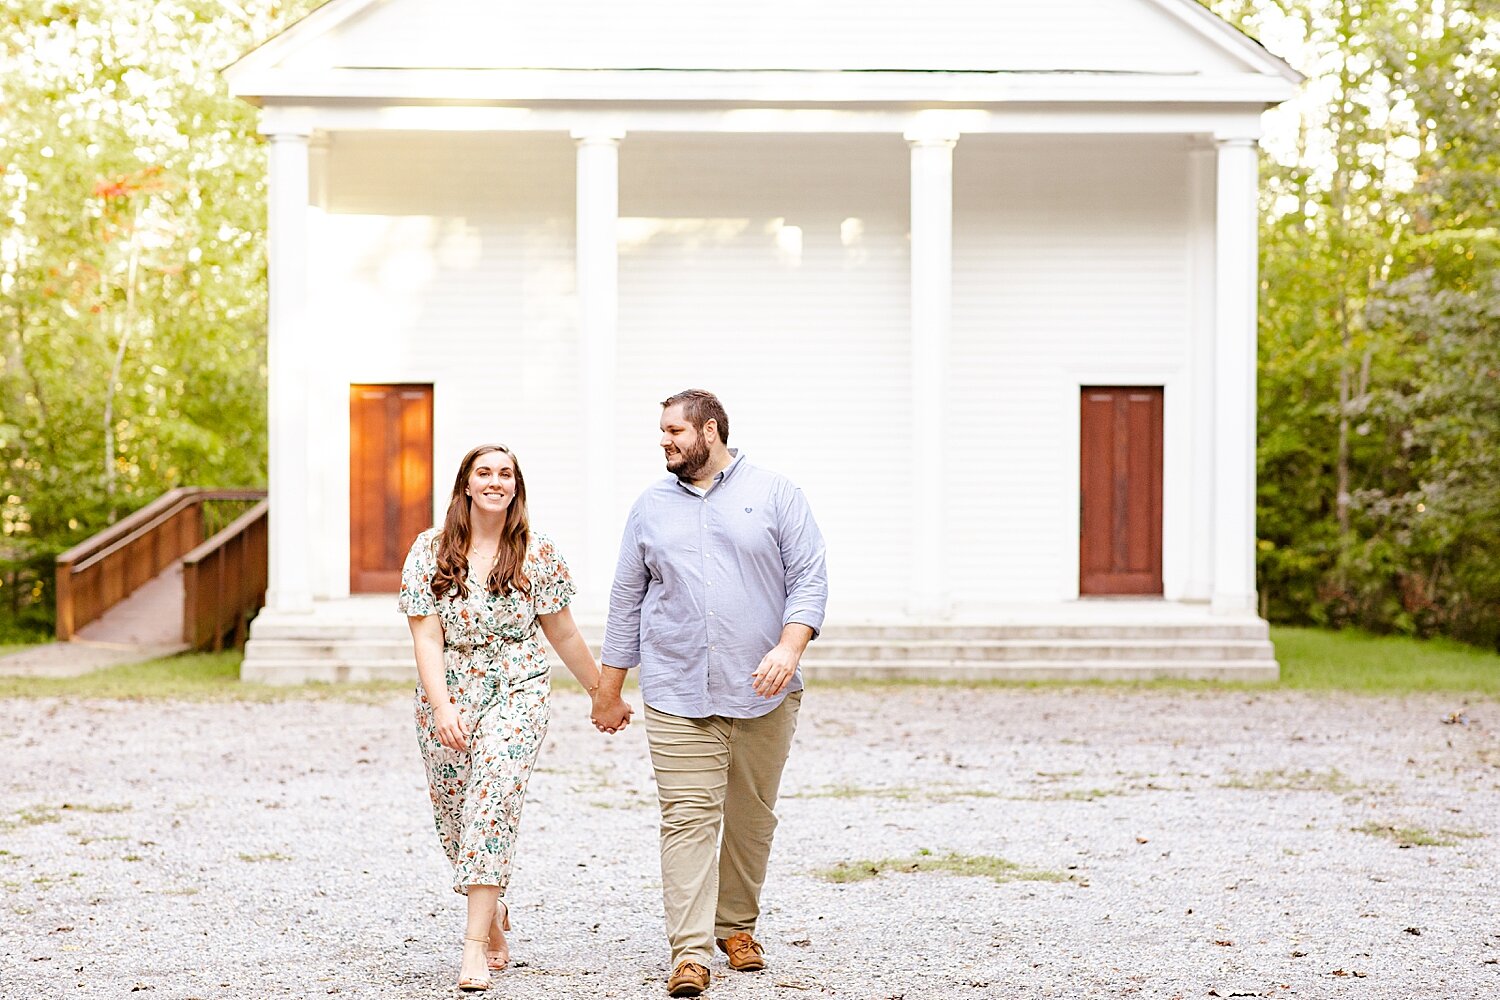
684,445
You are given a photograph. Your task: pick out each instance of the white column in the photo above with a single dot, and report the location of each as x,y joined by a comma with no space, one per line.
290,587
327,390
1202,169
931,313
1236,217
598,212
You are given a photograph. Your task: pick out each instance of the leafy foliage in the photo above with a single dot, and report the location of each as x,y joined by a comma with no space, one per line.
132,292
1379,489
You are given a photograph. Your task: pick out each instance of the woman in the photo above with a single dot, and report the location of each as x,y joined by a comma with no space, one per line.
474,594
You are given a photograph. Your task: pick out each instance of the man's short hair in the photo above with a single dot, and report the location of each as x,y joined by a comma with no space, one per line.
700,406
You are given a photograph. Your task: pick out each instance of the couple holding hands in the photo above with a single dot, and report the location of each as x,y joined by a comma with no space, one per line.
719,587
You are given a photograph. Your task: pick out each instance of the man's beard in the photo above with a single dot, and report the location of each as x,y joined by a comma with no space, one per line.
690,462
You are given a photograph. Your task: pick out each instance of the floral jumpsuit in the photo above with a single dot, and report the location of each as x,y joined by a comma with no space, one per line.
496,673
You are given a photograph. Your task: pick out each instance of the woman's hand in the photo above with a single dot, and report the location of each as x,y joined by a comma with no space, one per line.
450,730
611,713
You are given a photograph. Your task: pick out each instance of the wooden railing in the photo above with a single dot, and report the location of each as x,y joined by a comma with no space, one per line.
99,573
224,581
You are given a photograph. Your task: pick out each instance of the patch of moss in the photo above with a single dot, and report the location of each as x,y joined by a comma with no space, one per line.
971,865
896,793
1415,836
31,816
1282,780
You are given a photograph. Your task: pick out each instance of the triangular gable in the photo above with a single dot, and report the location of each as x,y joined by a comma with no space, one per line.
1154,37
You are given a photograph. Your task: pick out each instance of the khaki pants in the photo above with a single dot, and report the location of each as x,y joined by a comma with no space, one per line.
710,773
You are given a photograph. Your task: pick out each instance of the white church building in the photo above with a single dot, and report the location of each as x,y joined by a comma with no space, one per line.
979,277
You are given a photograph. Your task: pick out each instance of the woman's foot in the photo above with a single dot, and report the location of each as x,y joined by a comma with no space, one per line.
473,974
497,955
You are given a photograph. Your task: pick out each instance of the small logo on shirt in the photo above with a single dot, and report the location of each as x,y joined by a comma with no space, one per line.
749,509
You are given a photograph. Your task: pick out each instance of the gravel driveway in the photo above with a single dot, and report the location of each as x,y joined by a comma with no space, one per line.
1167,843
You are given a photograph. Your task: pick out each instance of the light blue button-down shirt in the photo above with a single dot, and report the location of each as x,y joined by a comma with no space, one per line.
706,581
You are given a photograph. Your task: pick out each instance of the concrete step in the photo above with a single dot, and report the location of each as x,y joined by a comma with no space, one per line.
264,627
1042,670
1047,632
299,671
394,628
291,648
1005,650
294,671
987,651
337,649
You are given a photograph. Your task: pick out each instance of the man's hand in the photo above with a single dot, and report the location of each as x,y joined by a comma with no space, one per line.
611,713
776,668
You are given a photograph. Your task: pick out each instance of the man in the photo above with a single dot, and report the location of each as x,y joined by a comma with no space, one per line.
720,586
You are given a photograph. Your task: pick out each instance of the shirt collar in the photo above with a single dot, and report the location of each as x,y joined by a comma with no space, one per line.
728,470
719,477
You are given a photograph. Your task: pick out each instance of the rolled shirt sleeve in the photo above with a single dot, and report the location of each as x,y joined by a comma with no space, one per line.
622,629
805,557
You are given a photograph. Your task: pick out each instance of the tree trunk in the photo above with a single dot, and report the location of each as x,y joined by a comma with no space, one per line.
127,327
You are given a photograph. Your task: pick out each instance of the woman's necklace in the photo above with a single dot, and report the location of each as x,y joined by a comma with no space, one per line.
495,558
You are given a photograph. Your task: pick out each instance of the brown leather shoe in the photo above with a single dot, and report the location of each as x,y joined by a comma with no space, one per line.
688,980
745,953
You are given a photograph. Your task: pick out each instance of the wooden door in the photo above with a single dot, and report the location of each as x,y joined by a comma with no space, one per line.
1120,505
390,481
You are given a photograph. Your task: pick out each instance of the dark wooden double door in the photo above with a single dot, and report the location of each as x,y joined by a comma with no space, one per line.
1120,510
390,481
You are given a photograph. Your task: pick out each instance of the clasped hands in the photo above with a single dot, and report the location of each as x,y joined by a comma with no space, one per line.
610,712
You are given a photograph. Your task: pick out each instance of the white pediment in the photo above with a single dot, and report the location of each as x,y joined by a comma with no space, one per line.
1151,37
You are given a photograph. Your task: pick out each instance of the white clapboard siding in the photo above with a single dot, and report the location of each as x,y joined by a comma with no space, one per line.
806,341
1098,35
1070,263
449,258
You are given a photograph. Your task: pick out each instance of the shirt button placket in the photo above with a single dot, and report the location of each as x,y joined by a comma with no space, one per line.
707,562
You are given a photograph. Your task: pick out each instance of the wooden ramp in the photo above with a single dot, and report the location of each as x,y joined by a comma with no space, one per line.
150,616
160,581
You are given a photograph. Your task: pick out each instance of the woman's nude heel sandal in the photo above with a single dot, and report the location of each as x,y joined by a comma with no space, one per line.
467,984
490,956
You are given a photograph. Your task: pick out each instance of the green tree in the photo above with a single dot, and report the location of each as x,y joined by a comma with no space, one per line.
132,292
1377,363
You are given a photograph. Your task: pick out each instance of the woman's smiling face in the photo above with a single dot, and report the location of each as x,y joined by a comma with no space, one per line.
492,482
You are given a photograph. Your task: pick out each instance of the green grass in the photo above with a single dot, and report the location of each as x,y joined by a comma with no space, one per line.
29,816
108,807
1282,780
899,793
973,865
1322,660
1415,836
189,677
1311,660
1078,795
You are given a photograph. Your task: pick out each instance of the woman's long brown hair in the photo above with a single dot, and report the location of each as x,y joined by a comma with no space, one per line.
453,544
